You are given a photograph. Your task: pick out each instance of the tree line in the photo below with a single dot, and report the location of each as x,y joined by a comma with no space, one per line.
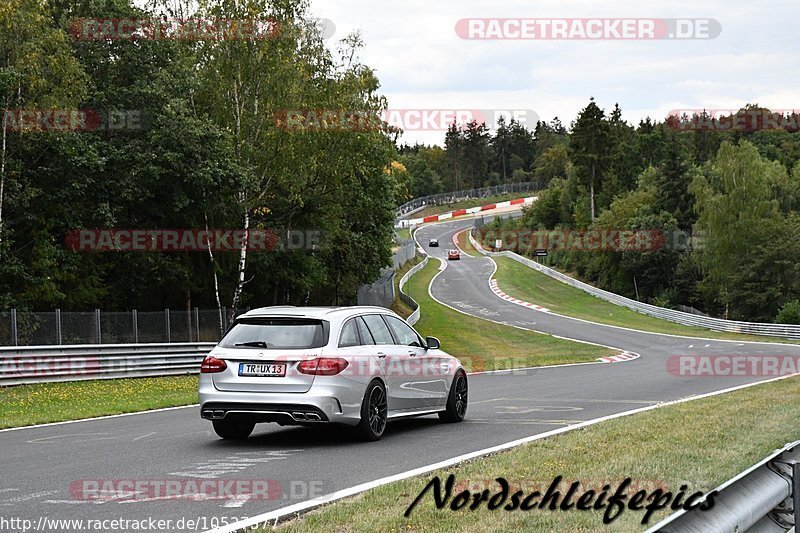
723,198
205,154
473,157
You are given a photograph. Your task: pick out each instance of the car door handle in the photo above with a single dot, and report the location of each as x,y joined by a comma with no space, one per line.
381,355
412,353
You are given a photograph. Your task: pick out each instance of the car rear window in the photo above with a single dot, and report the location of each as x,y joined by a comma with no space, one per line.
277,333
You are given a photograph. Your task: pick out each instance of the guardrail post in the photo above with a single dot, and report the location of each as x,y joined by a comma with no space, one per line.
14,327
796,493
98,332
166,324
197,323
135,318
58,326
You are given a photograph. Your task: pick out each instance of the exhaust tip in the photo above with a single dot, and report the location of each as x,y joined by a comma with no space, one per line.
314,416
299,416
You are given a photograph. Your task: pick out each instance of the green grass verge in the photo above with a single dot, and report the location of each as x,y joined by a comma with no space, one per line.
403,233
527,284
25,405
466,204
470,337
701,443
464,244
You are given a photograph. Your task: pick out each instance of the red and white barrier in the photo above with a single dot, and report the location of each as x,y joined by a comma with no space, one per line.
470,211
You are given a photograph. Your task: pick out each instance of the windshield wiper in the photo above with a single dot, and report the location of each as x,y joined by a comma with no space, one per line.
254,344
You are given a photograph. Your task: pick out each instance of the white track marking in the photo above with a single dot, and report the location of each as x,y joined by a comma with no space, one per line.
99,418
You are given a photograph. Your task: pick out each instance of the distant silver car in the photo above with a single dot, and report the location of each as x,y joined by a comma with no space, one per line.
359,366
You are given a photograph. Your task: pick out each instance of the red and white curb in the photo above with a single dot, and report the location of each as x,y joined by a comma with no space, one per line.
471,210
621,358
455,242
506,297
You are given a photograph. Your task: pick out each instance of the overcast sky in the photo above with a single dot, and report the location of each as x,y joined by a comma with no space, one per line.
422,62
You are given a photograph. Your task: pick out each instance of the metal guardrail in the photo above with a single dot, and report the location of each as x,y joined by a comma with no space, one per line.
414,317
763,498
786,331
43,364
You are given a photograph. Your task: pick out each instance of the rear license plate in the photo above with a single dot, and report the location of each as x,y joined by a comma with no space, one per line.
262,370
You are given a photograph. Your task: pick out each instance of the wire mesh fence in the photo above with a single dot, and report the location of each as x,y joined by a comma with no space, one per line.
27,328
381,293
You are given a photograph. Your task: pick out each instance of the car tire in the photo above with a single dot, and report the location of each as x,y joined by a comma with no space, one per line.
374,412
233,429
457,399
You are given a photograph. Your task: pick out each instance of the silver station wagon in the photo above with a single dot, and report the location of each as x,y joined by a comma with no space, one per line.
358,366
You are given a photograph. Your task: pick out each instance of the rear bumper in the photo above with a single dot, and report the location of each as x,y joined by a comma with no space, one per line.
281,413
326,401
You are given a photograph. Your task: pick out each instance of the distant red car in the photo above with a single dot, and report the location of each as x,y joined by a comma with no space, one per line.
453,254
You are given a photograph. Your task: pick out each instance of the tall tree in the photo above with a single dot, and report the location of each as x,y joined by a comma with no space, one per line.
476,153
501,147
590,148
673,194
454,156
737,209
37,70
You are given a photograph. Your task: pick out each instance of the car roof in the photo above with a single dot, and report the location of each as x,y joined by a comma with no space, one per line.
314,312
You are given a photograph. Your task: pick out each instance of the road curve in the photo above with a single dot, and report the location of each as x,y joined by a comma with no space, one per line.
44,467
464,285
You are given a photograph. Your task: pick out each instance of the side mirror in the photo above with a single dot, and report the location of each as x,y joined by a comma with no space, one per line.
433,343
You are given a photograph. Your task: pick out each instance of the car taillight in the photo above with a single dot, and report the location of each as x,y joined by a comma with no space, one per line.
323,366
212,365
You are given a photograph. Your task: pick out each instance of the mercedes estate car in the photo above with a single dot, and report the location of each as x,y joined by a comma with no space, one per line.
357,366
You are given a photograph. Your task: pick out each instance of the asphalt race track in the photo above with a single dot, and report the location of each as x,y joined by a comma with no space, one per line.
44,467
